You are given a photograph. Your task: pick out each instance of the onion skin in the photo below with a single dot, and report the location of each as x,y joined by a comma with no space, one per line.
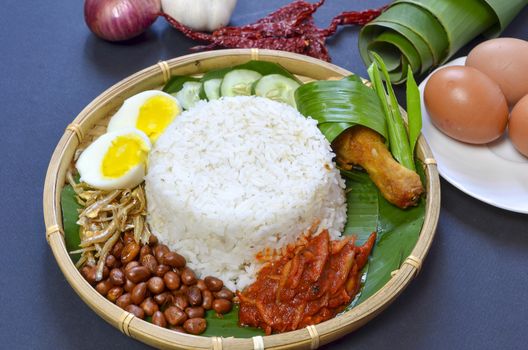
116,20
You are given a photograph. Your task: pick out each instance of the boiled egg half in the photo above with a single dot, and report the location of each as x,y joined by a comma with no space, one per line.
116,160
149,111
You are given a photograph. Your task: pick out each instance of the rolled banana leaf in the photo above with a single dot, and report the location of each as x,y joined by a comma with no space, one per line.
341,104
423,34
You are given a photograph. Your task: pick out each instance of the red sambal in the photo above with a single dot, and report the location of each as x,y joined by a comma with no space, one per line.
310,283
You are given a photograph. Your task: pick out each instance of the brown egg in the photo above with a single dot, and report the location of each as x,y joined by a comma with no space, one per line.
518,126
466,105
505,61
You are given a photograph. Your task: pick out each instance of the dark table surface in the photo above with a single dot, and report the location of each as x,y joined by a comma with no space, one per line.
471,293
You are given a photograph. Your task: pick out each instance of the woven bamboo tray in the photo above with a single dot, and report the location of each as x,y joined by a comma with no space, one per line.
91,122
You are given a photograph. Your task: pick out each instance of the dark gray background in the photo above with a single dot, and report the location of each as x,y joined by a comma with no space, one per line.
471,293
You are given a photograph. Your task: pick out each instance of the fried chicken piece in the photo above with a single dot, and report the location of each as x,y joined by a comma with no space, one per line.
362,146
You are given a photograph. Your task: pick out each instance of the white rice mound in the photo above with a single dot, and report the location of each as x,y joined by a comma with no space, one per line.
234,176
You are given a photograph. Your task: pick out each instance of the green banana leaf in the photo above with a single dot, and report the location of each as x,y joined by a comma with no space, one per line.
503,14
362,205
70,215
341,103
227,326
461,20
333,130
397,230
426,33
425,30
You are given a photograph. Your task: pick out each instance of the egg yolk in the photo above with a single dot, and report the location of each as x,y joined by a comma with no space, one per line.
155,115
125,152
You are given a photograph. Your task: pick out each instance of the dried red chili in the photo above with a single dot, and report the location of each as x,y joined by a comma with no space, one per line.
290,28
352,18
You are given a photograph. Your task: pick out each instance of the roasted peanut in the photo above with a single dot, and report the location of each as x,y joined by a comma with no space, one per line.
172,280
139,293
222,306
89,273
207,298
129,285
131,265
194,295
224,293
174,315
159,319
159,250
130,252
213,284
138,274
153,240
117,277
106,272
144,251
188,276
201,284
161,270
110,261
180,300
117,249
114,293
124,300
136,311
150,262
149,306
173,259
104,286
163,298
128,237
195,325
196,311
156,285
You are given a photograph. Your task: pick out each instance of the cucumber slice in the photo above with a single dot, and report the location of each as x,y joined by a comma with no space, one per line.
239,82
189,94
277,87
212,89
175,84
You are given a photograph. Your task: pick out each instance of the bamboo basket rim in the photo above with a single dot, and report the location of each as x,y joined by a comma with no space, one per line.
155,76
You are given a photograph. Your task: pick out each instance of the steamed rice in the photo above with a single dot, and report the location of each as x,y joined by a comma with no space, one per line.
234,176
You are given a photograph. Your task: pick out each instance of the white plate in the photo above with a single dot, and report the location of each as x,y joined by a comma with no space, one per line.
494,173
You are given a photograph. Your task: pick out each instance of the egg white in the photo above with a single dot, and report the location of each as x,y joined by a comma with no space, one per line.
90,162
127,116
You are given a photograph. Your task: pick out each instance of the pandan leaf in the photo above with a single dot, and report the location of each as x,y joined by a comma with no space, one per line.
414,111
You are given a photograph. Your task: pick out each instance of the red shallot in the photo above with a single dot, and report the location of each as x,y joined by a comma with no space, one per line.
116,20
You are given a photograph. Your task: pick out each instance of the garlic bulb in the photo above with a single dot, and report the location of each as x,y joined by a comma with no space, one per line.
201,15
